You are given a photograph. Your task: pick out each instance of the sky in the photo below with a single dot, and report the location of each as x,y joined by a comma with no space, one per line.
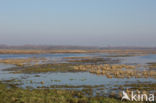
78,22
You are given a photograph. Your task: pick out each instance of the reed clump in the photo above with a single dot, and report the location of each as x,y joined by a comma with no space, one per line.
22,61
116,70
152,65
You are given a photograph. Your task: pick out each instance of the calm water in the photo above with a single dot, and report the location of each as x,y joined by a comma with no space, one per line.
75,79
57,55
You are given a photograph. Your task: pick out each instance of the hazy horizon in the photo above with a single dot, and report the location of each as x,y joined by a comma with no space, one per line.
81,22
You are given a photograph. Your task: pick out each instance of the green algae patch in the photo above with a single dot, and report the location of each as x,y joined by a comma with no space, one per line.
18,95
142,86
43,68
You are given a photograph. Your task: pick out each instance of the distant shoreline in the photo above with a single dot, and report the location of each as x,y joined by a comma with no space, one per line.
53,51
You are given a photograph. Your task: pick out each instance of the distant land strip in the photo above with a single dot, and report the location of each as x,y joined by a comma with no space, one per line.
45,49
121,51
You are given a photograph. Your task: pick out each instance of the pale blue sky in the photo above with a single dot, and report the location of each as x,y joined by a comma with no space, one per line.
78,22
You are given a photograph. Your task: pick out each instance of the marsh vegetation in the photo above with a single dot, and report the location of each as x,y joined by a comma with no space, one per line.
18,95
74,78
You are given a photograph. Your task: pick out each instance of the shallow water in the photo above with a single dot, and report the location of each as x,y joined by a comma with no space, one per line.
82,78
139,59
128,60
57,55
74,79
